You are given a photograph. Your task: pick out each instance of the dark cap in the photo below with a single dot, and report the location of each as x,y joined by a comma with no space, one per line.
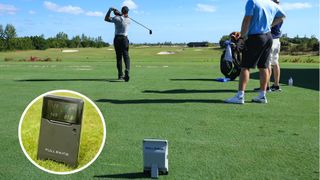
125,10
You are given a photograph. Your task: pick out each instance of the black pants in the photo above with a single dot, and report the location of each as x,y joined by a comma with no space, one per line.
257,51
121,45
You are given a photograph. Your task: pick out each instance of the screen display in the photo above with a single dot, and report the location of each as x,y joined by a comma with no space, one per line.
61,111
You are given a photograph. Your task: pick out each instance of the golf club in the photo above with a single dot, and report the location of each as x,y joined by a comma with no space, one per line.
150,31
117,12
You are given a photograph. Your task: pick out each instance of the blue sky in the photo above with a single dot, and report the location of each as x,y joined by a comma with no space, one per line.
170,20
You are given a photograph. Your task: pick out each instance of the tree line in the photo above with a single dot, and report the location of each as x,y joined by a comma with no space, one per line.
10,41
290,45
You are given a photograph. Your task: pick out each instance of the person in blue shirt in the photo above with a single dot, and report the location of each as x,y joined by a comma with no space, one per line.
260,16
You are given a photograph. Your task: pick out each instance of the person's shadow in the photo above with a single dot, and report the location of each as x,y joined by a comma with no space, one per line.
304,78
71,80
159,101
137,175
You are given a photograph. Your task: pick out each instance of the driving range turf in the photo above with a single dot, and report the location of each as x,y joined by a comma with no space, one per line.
171,97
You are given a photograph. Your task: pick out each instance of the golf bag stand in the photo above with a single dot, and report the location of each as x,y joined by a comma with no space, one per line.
231,58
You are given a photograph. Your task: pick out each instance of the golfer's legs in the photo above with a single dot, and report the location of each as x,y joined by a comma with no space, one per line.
244,79
263,63
118,49
276,74
270,69
264,78
275,61
126,56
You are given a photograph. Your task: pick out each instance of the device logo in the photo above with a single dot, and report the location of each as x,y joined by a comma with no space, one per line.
155,148
56,152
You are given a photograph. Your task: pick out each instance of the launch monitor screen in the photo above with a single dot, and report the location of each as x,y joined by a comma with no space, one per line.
62,109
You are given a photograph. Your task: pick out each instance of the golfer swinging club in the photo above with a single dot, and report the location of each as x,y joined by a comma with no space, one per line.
121,42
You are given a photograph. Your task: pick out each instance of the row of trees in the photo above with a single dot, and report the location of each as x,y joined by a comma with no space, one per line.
290,45
10,41
299,44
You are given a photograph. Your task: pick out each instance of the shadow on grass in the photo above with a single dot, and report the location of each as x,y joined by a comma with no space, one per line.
186,91
159,101
304,78
138,175
62,80
206,80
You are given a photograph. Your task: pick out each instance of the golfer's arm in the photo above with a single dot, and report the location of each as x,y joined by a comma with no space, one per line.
245,25
107,17
277,20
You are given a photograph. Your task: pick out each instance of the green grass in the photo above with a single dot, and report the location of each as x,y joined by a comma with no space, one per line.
144,54
300,59
172,97
91,135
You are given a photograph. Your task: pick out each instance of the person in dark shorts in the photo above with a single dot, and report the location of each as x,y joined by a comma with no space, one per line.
260,16
121,41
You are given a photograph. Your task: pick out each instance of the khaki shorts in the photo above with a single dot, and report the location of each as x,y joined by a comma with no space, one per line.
275,50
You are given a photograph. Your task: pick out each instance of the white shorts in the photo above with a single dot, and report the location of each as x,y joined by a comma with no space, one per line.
275,50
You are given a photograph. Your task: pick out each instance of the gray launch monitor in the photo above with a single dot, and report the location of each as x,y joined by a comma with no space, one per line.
155,157
60,129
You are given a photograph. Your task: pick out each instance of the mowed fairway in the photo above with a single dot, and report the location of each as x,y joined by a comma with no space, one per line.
172,97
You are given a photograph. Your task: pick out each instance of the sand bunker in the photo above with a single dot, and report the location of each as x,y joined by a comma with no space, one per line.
70,51
166,53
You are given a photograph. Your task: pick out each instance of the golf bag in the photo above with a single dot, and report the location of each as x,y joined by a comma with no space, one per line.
231,57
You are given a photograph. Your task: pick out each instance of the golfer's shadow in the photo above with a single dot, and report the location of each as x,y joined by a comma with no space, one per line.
190,91
304,78
197,79
159,101
70,80
138,175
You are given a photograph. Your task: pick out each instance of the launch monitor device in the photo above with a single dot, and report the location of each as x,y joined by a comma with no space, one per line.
60,129
155,157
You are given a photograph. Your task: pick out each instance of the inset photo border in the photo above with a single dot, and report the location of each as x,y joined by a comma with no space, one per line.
92,138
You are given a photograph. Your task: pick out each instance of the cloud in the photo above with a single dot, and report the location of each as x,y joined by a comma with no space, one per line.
205,8
7,9
75,10
131,5
95,14
138,12
32,12
63,9
295,6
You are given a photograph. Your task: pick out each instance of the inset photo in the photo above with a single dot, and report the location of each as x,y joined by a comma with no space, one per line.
62,132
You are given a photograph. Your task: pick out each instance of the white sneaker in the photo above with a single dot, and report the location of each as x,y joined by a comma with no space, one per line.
235,100
259,99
